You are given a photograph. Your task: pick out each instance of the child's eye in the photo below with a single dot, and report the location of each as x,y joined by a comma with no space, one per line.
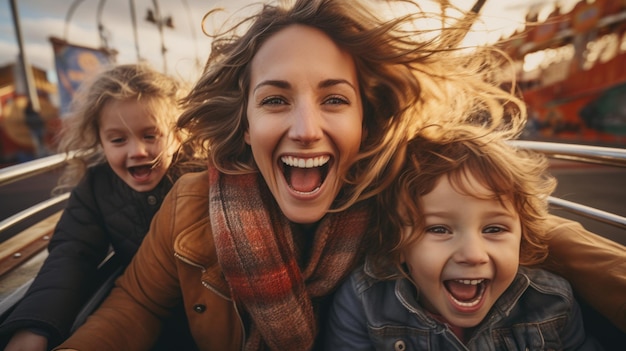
117,140
493,229
438,229
150,137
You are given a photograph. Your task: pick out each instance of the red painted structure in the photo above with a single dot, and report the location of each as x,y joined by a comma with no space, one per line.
582,97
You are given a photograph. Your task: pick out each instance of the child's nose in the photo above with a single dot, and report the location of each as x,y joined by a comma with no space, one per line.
471,249
138,148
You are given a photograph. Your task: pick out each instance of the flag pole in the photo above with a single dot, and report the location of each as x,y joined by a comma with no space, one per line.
31,89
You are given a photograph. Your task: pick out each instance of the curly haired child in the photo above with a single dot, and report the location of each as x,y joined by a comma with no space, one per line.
452,268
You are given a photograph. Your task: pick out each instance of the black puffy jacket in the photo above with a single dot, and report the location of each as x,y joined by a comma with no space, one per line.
102,212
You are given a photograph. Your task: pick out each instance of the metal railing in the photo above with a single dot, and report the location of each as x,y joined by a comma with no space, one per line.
29,169
26,170
570,152
21,248
608,156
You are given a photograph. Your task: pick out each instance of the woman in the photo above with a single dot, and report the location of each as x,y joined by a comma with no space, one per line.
301,118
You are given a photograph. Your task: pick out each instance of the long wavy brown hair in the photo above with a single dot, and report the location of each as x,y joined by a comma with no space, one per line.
409,76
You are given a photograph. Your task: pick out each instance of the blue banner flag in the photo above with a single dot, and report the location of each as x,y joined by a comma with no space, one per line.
73,65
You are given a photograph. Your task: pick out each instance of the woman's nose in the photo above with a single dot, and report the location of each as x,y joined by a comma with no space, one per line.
306,125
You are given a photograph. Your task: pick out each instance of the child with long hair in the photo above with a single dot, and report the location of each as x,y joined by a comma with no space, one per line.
121,143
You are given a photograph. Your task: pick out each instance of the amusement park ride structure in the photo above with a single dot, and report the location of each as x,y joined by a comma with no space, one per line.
21,83
572,73
576,95
570,70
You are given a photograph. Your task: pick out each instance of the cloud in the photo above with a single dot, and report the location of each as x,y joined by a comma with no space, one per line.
40,19
187,47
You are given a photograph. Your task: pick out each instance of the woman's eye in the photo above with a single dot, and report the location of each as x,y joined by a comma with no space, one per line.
336,100
273,100
437,230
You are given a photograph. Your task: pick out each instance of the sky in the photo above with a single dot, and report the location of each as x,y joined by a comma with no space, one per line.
187,47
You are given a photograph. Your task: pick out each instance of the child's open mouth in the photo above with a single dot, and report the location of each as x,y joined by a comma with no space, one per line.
140,172
466,292
305,175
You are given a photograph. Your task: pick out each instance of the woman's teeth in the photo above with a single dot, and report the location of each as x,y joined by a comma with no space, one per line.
305,175
305,162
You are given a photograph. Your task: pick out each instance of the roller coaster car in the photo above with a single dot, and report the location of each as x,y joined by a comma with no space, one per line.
22,254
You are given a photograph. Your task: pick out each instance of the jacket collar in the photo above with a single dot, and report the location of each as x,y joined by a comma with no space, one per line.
195,247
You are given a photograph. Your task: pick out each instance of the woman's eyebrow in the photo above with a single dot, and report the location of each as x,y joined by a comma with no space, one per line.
275,83
332,82
285,85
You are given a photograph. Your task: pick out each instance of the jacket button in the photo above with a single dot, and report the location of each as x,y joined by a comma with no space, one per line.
152,200
399,345
199,308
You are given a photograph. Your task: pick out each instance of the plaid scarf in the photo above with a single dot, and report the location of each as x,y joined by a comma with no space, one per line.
257,254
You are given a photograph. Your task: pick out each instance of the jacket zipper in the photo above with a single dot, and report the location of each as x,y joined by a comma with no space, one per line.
208,286
243,328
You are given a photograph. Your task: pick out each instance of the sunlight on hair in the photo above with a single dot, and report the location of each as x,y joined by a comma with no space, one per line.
494,23
429,25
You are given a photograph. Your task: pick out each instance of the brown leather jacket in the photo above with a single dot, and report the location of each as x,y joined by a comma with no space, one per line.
178,258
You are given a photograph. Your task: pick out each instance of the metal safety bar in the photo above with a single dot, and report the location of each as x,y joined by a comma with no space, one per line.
26,170
608,156
31,211
31,168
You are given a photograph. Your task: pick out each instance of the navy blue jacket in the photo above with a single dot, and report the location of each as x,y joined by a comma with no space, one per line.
537,312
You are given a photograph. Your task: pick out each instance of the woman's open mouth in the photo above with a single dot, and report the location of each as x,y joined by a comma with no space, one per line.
305,175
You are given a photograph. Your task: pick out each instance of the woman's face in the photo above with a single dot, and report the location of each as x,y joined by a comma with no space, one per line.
305,119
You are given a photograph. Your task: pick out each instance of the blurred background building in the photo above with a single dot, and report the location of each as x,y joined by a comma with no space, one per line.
569,58
571,68
16,139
